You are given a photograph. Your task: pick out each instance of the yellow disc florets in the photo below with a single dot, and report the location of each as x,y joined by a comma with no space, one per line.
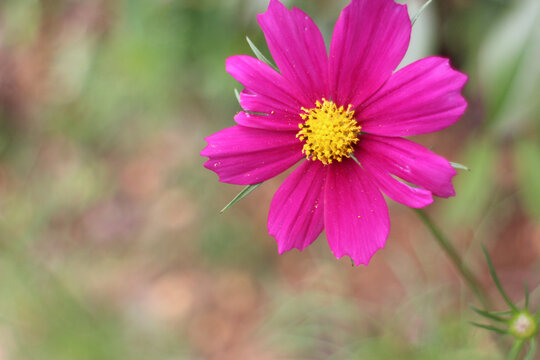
329,132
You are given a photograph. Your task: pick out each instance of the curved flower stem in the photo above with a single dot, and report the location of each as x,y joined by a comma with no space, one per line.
515,350
450,250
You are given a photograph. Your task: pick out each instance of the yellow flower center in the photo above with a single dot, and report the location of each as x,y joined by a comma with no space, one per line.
329,132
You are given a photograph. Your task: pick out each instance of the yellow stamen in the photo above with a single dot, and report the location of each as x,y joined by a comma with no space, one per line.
329,132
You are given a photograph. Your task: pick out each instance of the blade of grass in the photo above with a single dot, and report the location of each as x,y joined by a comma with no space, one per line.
260,55
490,328
496,280
488,315
506,312
355,160
242,194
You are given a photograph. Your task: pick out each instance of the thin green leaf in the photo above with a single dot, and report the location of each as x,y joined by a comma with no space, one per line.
419,12
532,350
490,328
488,315
355,159
496,280
507,312
526,155
260,55
515,350
456,165
242,194
237,94
526,288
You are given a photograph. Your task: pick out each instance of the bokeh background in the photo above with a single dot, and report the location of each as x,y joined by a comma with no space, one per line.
112,246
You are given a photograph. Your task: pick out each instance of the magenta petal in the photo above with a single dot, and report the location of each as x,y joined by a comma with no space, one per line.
370,39
355,213
244,156
296,213
260,104
260,79
395,189
298,49
423,97
269,122
274,119
410,162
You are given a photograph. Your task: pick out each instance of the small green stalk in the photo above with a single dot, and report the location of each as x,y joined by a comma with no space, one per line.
467,275
516,350
497,282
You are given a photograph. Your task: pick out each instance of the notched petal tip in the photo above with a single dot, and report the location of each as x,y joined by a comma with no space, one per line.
207,149
274,4
448,190
363,259
283,248
273,7
296,213
356,216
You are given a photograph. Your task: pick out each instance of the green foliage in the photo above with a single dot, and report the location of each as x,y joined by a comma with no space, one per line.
527,155
509,67
476,187
320,325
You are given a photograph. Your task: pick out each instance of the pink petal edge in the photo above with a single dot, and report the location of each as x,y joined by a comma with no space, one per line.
246,156
411,162
396,190
369,41
423,97
276,122
273,90
298,48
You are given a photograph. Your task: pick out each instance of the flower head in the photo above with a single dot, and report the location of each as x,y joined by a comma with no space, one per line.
343,115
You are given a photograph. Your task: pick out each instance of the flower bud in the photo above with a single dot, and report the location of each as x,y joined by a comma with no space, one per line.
523,325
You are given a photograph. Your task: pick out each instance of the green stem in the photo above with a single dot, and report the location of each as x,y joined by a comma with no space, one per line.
515,350
467,275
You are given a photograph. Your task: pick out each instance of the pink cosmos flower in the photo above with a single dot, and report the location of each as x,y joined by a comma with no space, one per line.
330,110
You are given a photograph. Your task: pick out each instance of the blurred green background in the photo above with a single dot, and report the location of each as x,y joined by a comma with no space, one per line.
112,246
